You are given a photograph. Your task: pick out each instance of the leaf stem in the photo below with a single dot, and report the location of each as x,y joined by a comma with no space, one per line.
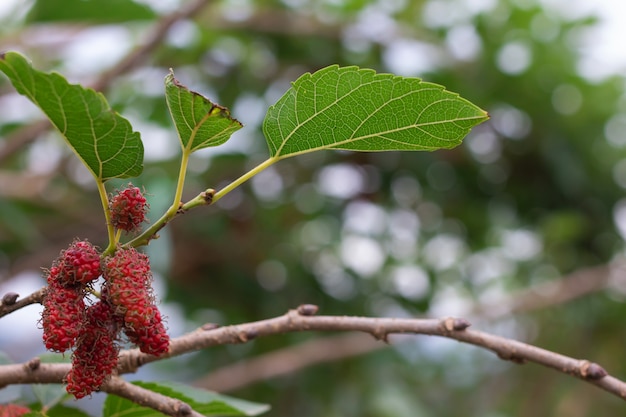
104,198
245,177
178,195
206,197
174,209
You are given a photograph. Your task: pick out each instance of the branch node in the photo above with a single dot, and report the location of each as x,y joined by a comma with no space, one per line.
452,324
207,195
511,356
210,326
184,409
247,335
379,333
33,364
460,324
591,370
9,298
307,309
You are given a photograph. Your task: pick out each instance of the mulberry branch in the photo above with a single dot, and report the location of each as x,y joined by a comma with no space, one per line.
302,320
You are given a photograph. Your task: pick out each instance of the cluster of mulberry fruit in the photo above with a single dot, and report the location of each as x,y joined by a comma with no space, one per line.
126,303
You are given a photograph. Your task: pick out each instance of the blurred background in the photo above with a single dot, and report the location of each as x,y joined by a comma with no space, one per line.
521,229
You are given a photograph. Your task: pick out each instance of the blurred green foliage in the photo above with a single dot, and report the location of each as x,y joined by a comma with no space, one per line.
531,196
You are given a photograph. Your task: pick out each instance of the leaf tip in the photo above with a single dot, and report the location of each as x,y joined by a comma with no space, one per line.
6,55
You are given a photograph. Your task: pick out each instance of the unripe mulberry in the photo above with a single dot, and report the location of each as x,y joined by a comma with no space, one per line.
79,264
128,209
96,353
62,316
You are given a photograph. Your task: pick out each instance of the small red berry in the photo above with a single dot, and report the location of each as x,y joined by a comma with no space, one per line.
96,353
128,209
79,264
62,316
13,410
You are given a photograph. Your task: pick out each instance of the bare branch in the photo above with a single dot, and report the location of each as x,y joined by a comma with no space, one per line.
138,395
11,303
380,328
26,134
33,372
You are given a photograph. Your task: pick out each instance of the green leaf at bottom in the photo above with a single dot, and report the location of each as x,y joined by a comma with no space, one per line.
205,402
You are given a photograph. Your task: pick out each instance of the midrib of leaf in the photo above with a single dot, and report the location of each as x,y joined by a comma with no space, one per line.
63,119
194,132
352,138
193,127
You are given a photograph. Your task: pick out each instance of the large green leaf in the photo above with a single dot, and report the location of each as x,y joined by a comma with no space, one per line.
359,110
199,122
64,411
88,10
205,402
101,138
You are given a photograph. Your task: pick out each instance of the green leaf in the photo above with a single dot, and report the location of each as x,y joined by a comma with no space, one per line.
199,122
65,411
205,402
100,137
88,10
359,110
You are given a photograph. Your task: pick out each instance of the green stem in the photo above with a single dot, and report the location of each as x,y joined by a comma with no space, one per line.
245,177
150,232
207,197
178,195
107,217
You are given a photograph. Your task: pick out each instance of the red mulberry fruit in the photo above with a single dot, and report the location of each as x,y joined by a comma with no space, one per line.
129,280
96,353
144,327
129,287
13,410
62,316
128,209
79,264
